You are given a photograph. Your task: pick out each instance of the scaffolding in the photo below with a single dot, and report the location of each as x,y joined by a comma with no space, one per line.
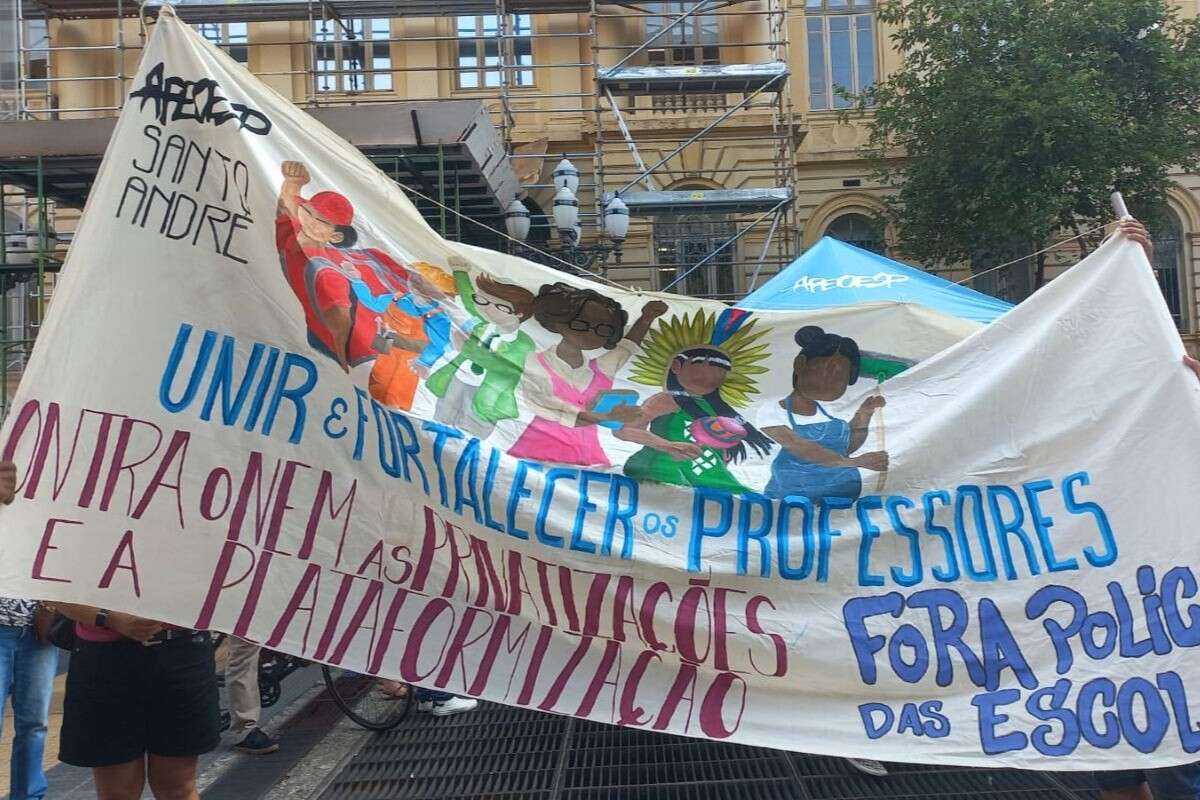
685,83
31,252
347,62
695,133
681,108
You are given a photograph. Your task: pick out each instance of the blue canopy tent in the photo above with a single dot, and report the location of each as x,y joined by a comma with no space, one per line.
833,273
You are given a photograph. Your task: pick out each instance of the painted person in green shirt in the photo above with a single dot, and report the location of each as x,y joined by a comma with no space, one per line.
477,388
705,365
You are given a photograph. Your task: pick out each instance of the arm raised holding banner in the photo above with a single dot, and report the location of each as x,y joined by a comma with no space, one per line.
1158,783
1135,231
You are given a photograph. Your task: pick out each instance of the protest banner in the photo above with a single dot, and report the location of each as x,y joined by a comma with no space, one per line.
271,401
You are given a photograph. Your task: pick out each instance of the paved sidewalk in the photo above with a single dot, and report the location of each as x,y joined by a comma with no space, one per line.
516,754
501,752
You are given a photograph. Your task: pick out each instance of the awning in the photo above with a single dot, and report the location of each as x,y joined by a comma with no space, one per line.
833,273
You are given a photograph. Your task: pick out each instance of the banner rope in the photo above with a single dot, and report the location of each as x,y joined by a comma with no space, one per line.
1034,253
505,235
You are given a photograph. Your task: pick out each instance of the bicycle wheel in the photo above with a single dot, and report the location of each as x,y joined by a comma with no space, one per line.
269,692
361,699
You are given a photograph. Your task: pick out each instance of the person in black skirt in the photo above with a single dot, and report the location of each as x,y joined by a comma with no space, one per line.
141,704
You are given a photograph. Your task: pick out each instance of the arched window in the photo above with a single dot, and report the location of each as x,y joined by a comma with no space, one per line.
858,230
1167,234
682,241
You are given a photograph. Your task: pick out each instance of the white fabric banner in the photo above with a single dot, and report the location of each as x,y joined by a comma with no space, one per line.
270,400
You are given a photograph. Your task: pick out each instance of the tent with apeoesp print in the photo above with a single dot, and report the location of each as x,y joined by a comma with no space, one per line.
834,273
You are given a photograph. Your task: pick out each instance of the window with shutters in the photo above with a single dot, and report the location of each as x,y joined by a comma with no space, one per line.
841,50
232,37
353,54
479,43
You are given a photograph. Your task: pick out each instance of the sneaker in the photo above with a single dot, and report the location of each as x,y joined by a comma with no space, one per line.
868,766
455,705
257,743
425,706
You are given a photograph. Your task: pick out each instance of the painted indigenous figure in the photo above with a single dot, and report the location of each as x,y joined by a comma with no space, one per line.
814,460
478,387
315,237
562,385
692,430
412,334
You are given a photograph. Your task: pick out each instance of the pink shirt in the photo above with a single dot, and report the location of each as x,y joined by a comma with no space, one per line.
90,633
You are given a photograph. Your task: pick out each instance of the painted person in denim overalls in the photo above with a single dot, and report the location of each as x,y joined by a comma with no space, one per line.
815,458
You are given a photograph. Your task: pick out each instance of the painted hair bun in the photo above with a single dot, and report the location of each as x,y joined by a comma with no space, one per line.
810,335
816,343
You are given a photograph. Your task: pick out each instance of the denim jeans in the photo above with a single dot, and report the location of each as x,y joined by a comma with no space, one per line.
1166,783
27,669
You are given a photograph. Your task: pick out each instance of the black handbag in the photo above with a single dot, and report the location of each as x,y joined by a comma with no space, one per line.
61,632
54,628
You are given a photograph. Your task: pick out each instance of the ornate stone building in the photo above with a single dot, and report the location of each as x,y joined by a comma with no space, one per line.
716,122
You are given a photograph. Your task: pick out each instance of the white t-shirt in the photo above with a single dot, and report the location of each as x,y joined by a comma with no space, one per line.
771,415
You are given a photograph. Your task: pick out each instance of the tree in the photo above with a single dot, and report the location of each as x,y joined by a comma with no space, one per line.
1013,120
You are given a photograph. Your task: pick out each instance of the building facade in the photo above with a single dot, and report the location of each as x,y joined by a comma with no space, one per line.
717,120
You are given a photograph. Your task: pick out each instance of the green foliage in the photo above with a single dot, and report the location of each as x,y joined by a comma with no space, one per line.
1014,119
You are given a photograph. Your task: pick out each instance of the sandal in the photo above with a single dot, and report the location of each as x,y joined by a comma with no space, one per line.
393,689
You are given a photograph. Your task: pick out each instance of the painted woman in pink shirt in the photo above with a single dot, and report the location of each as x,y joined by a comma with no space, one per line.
561,384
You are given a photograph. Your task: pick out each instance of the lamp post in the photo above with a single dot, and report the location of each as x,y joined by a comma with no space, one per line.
516,220
616,222
566,213
566,175
614,225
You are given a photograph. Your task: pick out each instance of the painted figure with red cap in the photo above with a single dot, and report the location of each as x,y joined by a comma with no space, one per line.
315,237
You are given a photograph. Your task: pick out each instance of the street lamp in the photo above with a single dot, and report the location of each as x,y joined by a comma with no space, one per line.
516,220
566,175
616,222
566,211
